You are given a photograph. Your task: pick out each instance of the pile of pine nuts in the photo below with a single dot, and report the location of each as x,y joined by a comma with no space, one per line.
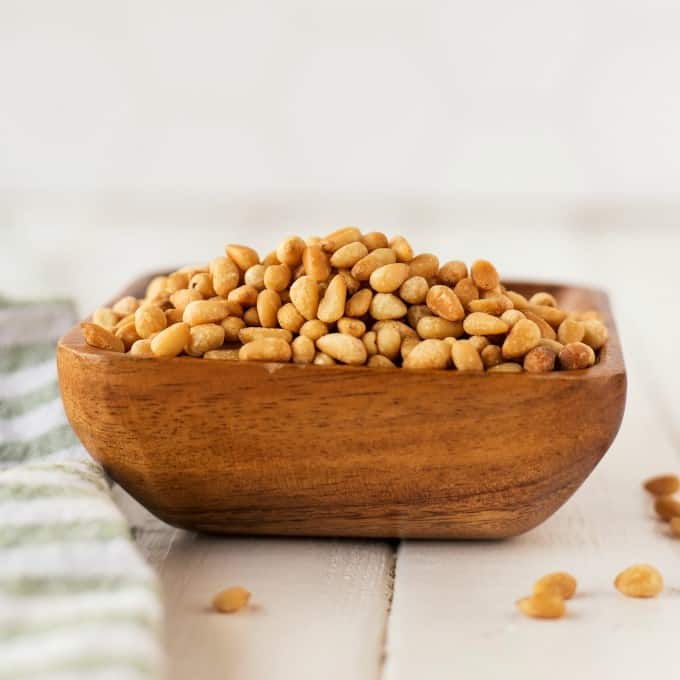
349,298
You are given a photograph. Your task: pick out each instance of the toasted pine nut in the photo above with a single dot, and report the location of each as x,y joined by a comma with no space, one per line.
544,606
491,356
558,583
518,300
181,298
496,305
204,338
547,331
544,299
303,350
126,305
149,320
290,251
266,349
425,265
479,342
344,348
232,326
664,485
434,327
505,367
380,361
667,507
251,317
595,333
374,240
387,306
414,290
370,341
405,331
363,269
555,346
675,526
173,316
141,349
225,275
171,341
484,275
351,326
359,303
552,315
340,237
315,263
445,303
289,318
222,354
466,291
450,273
389,277
466,357
202,282
640,580
304,294
242,256
407,344
479,323
402,248
314,329
176,281
540,360
268,304
105,317
277,277
231,600
570,330
524,336
128,334
100,337
156,287
429,354
245,295
576,355
348,255
388,340
322,359
206,311
416,313
332,305
512,316
251,333
254,276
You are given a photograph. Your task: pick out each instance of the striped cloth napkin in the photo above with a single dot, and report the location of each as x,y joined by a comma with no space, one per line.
76,599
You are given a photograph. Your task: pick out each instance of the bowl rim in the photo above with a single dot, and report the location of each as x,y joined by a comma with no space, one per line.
610,362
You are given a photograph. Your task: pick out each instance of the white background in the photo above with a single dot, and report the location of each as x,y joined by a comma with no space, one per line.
142,134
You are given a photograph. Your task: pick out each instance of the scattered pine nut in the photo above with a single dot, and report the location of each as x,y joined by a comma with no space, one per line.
640,580
557,583
231,599
543,606
664,485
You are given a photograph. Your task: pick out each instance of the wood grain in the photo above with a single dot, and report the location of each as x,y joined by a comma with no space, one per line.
345,451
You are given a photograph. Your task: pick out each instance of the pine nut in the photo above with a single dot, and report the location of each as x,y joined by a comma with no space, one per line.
332,306
341,237
380,361
242,256
374,240
268,305
428,354
149,320
277,277
484,275
315,263
126,305
576,355
664,485
359,303
445,303
351,326
252,333
389,277
380,257
290,251
100,337
343,348
171,341
425,265
388,340
436,328
225,275
667,507
141,349
202,282
347,256
479,323
387,306
540,360
254,276
304,294
314,329
558,583
105,317
204,338
402,248
206,311
222,354
595,333
466,357
231,600
289,318
452,272
505,367
322,359
303,350
640,580
414,290
245,295
544,606
491,356
266,349
523,337
232,325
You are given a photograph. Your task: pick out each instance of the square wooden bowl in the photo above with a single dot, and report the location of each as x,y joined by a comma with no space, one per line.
260,448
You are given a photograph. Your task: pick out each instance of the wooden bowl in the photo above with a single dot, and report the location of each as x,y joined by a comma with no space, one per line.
261,448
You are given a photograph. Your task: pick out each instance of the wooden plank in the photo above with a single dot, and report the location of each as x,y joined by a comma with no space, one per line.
453,612
319,607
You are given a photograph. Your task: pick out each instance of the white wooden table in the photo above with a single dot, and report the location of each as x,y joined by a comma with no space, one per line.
366,610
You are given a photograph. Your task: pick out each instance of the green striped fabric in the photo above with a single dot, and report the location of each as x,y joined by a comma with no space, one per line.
76,599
